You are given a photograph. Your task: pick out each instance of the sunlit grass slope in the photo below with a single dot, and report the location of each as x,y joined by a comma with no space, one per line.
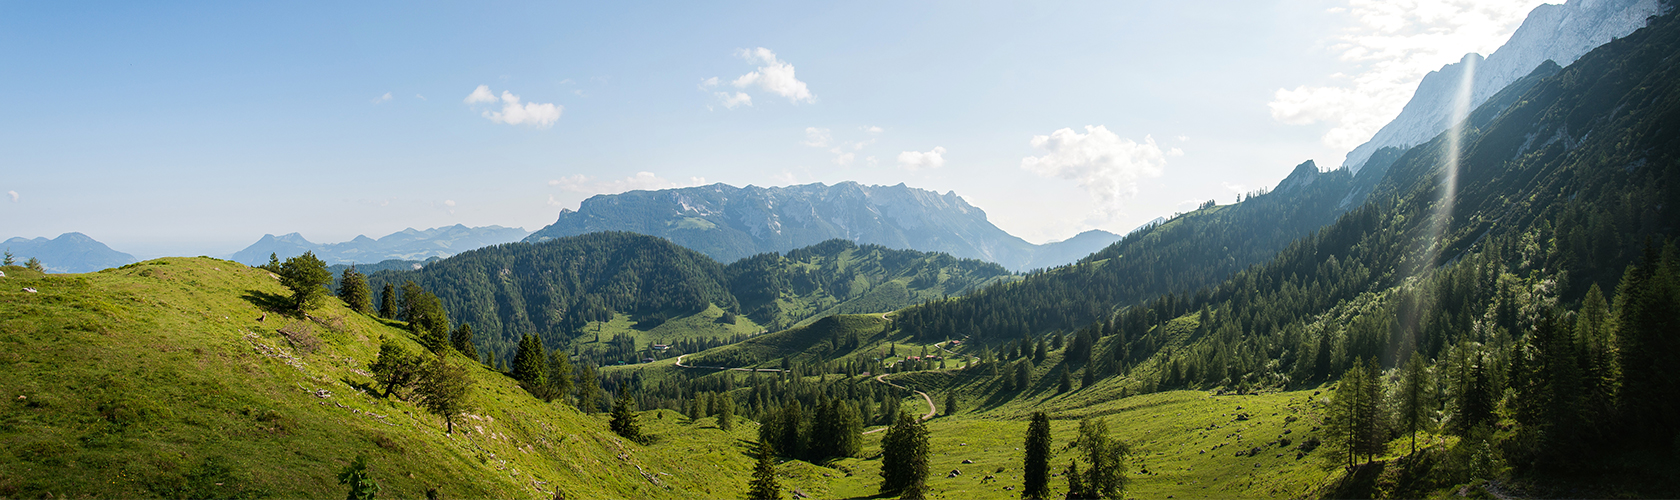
171,378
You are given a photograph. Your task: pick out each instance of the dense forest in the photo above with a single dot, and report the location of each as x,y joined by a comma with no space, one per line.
1187,253
555,288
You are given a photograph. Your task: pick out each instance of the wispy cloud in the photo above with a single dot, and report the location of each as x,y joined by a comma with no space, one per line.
14,196
1106,165
731,101
915,160
816,137
536,114
1394,43
773,75
641,181
382,99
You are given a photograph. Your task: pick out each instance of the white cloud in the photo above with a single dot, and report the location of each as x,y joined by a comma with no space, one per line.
872,161
536,114
786,177
845,158
14,196
383,98
420,97
816,137
480,94
1235,188
773,75
449,203
708,83
732,101
1183,138
641,181
1393,44
914,160
871,129
1104,164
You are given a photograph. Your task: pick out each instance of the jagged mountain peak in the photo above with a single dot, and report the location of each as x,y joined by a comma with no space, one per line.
729,223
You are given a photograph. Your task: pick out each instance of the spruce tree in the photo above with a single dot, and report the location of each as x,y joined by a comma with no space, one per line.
388,302
462,340
726,413
764,485
353,289
1035,467
1064,383
624,421
559,376
904,465
950,403
530,366
9,260
589,390
1023,376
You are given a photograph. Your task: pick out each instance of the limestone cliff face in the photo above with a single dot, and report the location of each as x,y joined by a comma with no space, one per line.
729,223
1559,33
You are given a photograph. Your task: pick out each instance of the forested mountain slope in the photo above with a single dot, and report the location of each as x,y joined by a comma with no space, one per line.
557,288
1518,286
1189,252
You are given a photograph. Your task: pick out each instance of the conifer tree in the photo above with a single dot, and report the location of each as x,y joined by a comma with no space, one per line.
273,264
388,302
1035,467
530,366
950,403
9,260
462,340
624,421
764,485
1064,383
726,413
1415,401
559,375
443,390
425,316
353,288
1023,375
589,390
904,461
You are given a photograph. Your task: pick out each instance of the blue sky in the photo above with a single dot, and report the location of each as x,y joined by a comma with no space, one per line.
191,129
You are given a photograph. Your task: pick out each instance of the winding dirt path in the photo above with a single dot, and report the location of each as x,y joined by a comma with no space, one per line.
932,410
681,365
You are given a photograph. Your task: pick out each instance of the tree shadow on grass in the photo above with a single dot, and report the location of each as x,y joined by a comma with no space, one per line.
272,302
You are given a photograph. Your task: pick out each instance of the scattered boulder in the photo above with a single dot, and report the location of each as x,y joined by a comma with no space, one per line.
953,473
966,461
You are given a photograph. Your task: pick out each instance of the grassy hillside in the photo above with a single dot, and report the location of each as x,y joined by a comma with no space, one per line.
166,377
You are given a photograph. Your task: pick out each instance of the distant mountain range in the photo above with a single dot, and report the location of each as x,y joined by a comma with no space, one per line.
729,223
408,244
68,253
1559,33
